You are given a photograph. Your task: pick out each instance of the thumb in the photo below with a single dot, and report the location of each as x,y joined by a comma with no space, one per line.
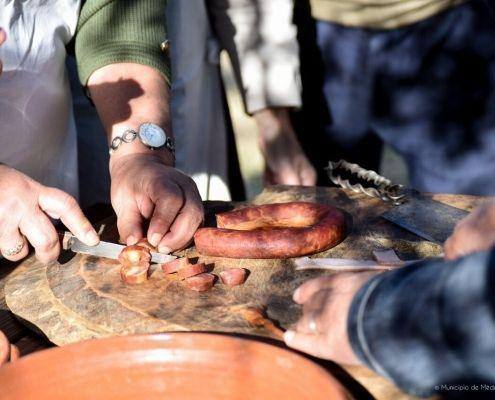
307,343
129,225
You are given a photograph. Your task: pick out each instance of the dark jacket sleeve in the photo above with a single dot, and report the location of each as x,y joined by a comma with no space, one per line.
115,31
430,327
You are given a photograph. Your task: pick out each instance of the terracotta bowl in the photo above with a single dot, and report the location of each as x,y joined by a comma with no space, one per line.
185,366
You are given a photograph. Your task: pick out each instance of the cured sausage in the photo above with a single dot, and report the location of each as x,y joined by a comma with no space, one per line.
233,276
174,265
136,273
144,243
191,270
273,231
201,282
134,254
135,261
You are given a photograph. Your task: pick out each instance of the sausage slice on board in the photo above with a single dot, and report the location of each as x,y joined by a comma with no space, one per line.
201,282
191,270
233,276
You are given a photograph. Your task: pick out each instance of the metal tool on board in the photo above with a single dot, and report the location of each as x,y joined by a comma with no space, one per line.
427,218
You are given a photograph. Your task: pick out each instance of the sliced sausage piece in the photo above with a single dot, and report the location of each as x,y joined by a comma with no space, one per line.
135,274
201,282
233,276
144,243
134,254
174,265
191,270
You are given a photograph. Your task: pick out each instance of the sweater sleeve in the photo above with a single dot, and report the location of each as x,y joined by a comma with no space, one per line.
430,327
115,31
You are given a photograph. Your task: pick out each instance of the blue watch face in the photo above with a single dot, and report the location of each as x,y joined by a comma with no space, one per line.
152,135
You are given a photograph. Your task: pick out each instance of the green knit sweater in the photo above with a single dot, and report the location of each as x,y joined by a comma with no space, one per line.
114,31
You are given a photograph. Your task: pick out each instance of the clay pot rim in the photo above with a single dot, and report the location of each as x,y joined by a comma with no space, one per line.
169,337
80,356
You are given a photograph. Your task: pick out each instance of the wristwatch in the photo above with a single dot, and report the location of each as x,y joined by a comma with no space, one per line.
151,135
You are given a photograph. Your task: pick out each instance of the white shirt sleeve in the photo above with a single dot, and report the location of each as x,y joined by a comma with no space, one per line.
261,40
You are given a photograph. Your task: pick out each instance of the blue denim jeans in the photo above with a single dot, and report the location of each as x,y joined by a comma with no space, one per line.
427,89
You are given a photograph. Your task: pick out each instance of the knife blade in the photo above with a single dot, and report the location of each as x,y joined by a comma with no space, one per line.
345,265
427,218
106,249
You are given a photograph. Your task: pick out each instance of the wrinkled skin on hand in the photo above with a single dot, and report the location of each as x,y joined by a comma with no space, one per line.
285,161
145,188
476,232
25,208
326,301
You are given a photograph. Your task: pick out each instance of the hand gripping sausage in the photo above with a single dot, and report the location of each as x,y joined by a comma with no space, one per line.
282,230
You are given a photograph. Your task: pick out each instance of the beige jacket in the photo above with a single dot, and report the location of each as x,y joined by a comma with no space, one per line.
261,40
378,14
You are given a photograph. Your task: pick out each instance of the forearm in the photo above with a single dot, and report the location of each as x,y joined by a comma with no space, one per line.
428,325
128,95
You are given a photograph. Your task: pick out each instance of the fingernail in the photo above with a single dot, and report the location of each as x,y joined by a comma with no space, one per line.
92,238
131,240
155,239
164,249
289,335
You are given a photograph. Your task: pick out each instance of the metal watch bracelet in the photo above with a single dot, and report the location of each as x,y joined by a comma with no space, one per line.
130,135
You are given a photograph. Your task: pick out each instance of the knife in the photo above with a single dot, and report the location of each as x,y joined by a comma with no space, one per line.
105,249
427,218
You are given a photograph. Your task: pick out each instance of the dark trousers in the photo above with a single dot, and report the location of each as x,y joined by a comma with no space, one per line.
427,89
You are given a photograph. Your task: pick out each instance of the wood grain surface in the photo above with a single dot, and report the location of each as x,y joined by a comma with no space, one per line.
84,298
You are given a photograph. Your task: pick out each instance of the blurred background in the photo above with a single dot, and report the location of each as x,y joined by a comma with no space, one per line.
250,158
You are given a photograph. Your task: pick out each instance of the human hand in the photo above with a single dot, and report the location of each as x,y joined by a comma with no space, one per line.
285,161
3,37
322,329
25,206
144,187
476,232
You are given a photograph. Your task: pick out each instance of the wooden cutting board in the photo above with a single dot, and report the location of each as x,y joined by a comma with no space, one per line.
85,298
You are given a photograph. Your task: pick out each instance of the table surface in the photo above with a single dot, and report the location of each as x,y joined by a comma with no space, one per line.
27,341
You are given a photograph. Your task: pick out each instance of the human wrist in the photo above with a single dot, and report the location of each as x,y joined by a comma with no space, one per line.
355,318
273,122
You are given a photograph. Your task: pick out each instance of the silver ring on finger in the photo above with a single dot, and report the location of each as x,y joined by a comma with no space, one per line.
312,326
14,250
